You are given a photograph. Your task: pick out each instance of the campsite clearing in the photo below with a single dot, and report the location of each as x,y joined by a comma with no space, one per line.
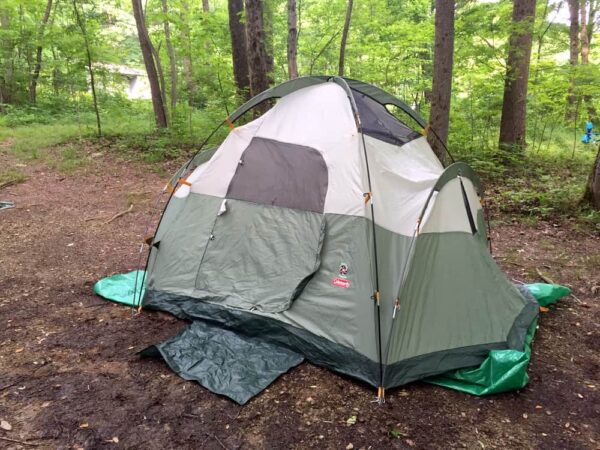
70,376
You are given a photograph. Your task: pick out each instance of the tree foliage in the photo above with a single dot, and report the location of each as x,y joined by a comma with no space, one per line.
390,44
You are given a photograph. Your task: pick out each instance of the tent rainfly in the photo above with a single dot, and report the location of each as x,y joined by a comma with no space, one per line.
328,230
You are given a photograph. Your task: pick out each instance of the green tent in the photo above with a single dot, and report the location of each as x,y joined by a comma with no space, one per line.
327,229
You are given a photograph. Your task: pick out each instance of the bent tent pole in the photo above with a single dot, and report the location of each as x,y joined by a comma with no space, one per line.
368,199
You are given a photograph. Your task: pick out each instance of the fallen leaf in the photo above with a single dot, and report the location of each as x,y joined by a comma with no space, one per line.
410,442
19,350
349,446
5,425
84,425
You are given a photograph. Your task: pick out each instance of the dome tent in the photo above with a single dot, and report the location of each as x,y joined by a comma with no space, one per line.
327,229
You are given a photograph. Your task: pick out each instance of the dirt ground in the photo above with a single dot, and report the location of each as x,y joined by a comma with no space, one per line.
70,377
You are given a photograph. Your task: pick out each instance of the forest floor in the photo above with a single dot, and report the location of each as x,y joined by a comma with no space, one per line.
70,377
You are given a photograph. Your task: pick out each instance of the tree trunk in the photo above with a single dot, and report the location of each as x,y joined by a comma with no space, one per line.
205,6
268,23
513,123
188,73
441,91
292,42
161,77
257,55
592,190
237,30
38,55
7,48
573,56
146,47
345,38
585,36
81,24
171,54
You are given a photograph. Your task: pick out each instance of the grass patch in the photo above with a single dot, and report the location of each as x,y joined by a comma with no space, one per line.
10,177
545,183
69,158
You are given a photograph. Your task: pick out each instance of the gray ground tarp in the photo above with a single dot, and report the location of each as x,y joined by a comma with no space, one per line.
224,361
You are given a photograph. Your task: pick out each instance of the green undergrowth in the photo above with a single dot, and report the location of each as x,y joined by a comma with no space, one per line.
543,183
65,140
546,182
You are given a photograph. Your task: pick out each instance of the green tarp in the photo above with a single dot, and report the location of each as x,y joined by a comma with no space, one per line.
120,288
224,361
502,370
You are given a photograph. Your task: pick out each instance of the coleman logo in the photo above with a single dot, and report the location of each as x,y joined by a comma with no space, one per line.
343,271
341,282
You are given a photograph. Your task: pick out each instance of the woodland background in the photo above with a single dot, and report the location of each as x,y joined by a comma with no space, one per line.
513,83
536,61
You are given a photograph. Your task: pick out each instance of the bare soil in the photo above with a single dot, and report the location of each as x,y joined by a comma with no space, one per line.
70,377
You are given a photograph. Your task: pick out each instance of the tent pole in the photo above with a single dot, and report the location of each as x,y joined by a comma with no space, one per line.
368,199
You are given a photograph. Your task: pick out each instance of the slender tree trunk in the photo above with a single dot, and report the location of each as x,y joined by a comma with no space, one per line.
146,47
188,73
172,59
205,6
38,55
81,24
7,48
237,30
345,38
268,22
573,57
513,123
257,55
592,191
292,41
56,74
441,91
161,76
585,36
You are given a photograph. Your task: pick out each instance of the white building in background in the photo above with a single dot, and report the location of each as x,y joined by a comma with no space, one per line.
129,81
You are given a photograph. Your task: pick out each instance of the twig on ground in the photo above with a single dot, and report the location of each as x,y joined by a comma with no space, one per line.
217,439
579,301
7,386
544,277
93,218
117,215
15,441
7,184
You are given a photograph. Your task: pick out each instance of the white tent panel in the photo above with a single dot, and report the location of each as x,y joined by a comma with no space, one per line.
446,211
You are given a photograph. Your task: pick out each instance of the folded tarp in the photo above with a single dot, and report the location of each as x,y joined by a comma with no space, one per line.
120,288
224,361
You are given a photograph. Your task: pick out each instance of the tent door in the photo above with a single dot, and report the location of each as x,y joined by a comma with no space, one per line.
266,242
